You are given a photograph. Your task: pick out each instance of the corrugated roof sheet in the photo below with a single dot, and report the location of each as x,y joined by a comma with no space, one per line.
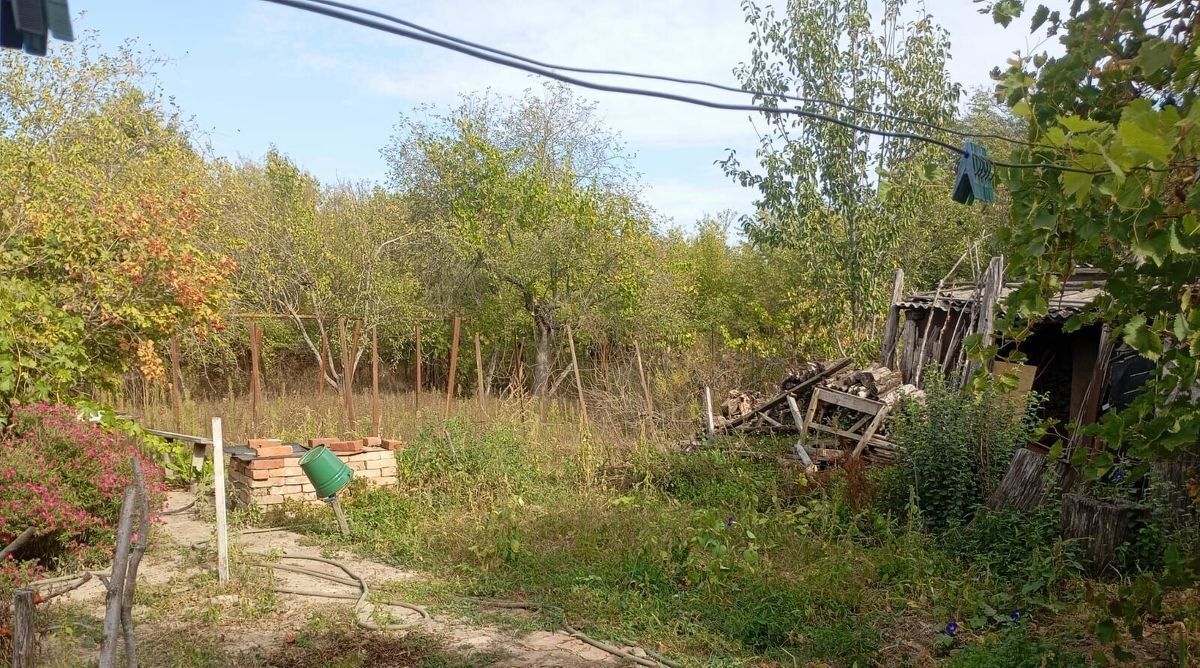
1076,294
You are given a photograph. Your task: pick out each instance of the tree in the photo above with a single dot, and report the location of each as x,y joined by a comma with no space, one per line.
103,201
1114,129
332,252
820,184
537,198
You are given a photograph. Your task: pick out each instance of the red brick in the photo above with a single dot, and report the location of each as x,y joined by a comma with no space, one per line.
345,446
314,442
260,474
257,443
392,444
264,463
274,451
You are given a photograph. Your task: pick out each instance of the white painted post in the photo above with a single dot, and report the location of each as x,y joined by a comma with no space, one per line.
709,427
219,490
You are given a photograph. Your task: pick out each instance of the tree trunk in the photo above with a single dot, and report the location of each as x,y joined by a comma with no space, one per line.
1099,526
543,336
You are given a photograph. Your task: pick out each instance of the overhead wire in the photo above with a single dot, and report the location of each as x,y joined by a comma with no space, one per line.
671,79
362,20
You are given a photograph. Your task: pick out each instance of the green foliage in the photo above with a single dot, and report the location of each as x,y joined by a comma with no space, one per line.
104,203
955,447
843,203
1016,648
1119,107
537,201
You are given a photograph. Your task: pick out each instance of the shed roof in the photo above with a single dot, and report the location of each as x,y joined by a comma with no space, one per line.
1078,291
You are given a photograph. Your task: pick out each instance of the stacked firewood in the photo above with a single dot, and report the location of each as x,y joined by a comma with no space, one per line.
739,403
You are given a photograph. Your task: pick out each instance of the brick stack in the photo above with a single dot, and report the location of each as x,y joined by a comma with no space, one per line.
268,472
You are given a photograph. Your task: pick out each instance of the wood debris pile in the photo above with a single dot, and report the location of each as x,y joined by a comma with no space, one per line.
837,411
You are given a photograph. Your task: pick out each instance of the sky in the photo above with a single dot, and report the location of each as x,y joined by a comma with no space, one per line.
252,74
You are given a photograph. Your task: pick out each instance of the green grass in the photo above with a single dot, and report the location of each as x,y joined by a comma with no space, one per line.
709,557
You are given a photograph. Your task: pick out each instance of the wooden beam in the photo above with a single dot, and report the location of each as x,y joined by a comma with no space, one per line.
453,367
583,416
891,329
799,420
480,386
376,407
709,427
347,376
219,501
637,350
176,384
256,398
418,381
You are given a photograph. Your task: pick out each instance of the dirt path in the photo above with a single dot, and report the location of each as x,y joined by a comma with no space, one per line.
171,564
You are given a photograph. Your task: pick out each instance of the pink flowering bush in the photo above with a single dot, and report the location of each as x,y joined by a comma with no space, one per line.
66,478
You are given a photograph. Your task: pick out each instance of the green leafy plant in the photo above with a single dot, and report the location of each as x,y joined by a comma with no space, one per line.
955,447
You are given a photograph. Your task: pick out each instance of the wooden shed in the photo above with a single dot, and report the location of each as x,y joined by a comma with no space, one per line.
927,328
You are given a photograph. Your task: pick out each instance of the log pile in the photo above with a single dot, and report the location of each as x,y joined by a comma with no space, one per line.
787,411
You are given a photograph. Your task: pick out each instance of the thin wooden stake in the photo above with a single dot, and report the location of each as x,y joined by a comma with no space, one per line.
583,416
340,516
219,500
453,366
376,408
176,385
347,380
481,387
111,630
637,350
709,427
24,635
256,399
417,385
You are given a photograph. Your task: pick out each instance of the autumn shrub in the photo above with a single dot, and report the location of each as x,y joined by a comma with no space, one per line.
65,478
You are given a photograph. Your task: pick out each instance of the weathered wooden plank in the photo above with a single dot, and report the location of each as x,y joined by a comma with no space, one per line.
891,328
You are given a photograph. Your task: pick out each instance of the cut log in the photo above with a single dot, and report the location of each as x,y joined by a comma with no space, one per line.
1023,486
1099,526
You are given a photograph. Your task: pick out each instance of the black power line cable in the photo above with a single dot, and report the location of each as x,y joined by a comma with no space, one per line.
608,88
678,80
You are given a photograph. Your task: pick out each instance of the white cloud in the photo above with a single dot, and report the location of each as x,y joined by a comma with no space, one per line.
701,39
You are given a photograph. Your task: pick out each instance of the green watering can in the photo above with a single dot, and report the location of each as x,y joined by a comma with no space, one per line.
328,474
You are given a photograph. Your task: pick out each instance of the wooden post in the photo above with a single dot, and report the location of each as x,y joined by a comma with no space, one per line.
340,516
583,416
481,386
891,329
637,350
993,283
417,385
219,501
137,551
176,385
323,368
709,427
24,635
376,408
347,376
255,379
453,366
111,630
